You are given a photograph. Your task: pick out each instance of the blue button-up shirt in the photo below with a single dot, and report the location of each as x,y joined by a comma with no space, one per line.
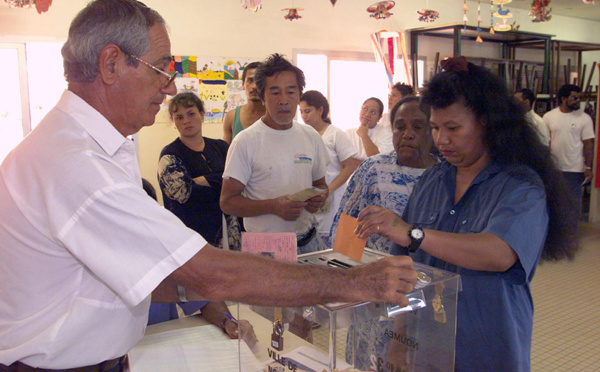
495,310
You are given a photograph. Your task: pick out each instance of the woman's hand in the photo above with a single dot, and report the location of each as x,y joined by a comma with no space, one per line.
377,220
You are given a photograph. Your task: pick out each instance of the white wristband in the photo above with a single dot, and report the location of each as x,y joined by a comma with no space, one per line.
181,293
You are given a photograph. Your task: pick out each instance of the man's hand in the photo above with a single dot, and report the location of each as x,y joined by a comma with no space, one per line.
387,280
377,220
287,209
247,331
316,202
589,175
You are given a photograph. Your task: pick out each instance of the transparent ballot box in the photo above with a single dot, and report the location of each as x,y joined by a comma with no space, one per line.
358,336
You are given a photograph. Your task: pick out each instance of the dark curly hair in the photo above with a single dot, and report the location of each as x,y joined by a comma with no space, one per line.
511,140
275,65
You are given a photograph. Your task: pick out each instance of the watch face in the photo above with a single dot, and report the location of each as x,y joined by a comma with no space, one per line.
417,234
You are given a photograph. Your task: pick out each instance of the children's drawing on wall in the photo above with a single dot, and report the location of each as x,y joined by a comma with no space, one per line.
223,74
188,85
216,80
236,94
214,95
186,66
221,68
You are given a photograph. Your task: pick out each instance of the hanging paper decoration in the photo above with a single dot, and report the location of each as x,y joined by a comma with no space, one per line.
465,18
381,10
427,15
504,14
540,11
252,5
479,39
389,47
292,13
40,5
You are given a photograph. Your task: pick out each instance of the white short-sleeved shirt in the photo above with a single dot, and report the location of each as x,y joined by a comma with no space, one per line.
540,125
83,246
339,149
381,137
567,133
272,163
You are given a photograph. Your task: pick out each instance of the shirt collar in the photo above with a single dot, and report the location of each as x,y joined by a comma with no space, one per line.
92,121
488,171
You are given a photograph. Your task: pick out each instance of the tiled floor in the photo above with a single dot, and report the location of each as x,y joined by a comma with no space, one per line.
566,331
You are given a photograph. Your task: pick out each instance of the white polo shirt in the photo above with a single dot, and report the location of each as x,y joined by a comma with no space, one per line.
82,245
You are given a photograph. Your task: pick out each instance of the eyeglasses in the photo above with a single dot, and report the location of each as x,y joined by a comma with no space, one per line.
170,78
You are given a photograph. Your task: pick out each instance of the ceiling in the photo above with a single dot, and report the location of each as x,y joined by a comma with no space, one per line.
569,8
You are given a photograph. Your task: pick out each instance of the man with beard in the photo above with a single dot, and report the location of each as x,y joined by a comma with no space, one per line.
244,116
274,158
572,139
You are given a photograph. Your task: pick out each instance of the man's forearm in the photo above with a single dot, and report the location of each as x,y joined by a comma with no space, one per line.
588,153
241,206
243,277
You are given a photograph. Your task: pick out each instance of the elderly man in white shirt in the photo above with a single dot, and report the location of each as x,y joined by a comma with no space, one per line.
84,247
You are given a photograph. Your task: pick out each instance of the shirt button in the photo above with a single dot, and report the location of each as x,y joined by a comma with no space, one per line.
452,212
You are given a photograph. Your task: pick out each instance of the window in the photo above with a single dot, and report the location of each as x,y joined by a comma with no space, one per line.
347,80
31,86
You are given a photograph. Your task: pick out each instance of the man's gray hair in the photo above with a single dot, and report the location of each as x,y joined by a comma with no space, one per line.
102,22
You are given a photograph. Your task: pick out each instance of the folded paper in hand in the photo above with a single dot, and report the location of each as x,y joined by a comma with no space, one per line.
346,241
306,194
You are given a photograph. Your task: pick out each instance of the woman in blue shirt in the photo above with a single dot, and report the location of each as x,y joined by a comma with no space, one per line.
488,212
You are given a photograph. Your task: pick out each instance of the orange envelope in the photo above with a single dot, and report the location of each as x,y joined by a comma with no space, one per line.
346,241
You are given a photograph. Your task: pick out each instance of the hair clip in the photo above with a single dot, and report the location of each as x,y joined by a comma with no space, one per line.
455,64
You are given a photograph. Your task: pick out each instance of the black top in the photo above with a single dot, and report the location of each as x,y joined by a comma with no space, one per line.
197,206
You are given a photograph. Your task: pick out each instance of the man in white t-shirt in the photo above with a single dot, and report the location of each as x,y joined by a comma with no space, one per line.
274,158
527,98
572,139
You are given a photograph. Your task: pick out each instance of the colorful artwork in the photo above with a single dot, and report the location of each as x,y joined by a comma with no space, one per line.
214,95
236,95
216,81
388,47
185,66
220,68
187,85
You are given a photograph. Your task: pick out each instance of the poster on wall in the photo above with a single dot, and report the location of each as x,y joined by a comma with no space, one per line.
214,95
216,80
221,85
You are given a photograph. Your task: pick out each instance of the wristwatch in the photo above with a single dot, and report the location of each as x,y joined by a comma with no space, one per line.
416,235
